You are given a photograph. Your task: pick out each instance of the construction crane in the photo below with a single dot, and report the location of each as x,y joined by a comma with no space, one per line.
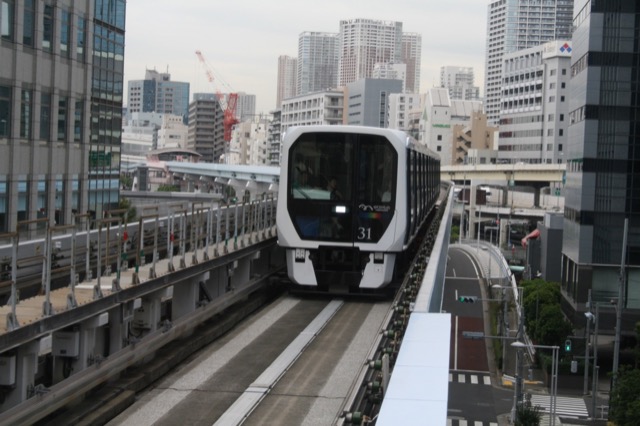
228,104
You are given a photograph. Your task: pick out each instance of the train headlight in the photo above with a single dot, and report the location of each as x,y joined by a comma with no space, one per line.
341,209
300,255
378,257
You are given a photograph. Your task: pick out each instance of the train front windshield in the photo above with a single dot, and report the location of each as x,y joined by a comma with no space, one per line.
341,186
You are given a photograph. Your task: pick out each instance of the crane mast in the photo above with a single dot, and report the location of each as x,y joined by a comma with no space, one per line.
228,106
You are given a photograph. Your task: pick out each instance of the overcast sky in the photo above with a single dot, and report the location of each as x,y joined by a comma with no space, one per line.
242,39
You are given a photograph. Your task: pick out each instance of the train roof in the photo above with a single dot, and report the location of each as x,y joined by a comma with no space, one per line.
398,135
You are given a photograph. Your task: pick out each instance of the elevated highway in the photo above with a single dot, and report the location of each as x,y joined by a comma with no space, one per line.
50,357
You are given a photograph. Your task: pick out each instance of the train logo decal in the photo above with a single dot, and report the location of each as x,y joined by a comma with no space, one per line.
365,207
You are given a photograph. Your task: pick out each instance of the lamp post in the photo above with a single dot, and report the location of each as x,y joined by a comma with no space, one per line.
594,376
554,378
590,317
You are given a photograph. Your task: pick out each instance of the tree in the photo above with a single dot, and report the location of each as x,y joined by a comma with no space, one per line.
625,397
125,204
528,415
455,234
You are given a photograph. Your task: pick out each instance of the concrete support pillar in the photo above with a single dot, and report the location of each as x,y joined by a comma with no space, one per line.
23,363
239,272
117,328
186,296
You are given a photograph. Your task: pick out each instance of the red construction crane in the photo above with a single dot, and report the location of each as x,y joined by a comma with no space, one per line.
228,106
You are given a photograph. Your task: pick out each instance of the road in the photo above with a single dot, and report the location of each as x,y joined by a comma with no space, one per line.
473,397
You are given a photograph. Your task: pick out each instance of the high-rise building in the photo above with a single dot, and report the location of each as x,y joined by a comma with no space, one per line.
316,108
411,55
287,78
534,115
157,93
206,130
603,157
245,106
459,81
61,97
401,105
515,25
364,43
317,62
391,71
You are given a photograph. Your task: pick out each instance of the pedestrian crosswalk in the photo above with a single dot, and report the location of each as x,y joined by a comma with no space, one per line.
464,422
470,378
565,406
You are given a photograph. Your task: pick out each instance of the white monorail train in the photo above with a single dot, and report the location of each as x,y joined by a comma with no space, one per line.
351,202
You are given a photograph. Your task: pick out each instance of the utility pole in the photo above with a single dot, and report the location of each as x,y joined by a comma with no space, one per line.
620,304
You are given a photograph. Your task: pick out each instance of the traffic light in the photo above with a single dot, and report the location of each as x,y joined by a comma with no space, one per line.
467,299
567,345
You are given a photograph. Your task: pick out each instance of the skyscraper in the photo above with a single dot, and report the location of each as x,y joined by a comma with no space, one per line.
411,55
519,24
603,158
365,42
459,81
287,77
61,93
157,93
206,131
317,62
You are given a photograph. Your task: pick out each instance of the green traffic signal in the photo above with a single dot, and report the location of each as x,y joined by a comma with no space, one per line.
567,345
467,299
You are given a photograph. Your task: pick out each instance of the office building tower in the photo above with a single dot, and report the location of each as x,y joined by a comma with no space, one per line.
206,130
411,56
318,108
401,105
603,157
317,62
368,101
515,25
61,96
391,71
157,93
245,106
534,114
459,81
440,115
364,43
287,78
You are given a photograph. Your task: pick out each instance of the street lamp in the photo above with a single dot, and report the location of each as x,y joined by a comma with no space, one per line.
590,318
554,379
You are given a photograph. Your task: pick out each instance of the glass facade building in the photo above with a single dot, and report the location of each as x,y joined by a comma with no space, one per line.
603,158
61,90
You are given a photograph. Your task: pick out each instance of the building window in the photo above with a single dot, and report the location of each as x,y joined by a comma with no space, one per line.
47,28
549,132
560,132
3,206
551,117
78,122
7,19
552,99
561,117
564,71
561,98
559,147
45,116
26,105
563,85
552,86
439,137
29,25
438,148
62,119
552,72
5,111
65,33
81,35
